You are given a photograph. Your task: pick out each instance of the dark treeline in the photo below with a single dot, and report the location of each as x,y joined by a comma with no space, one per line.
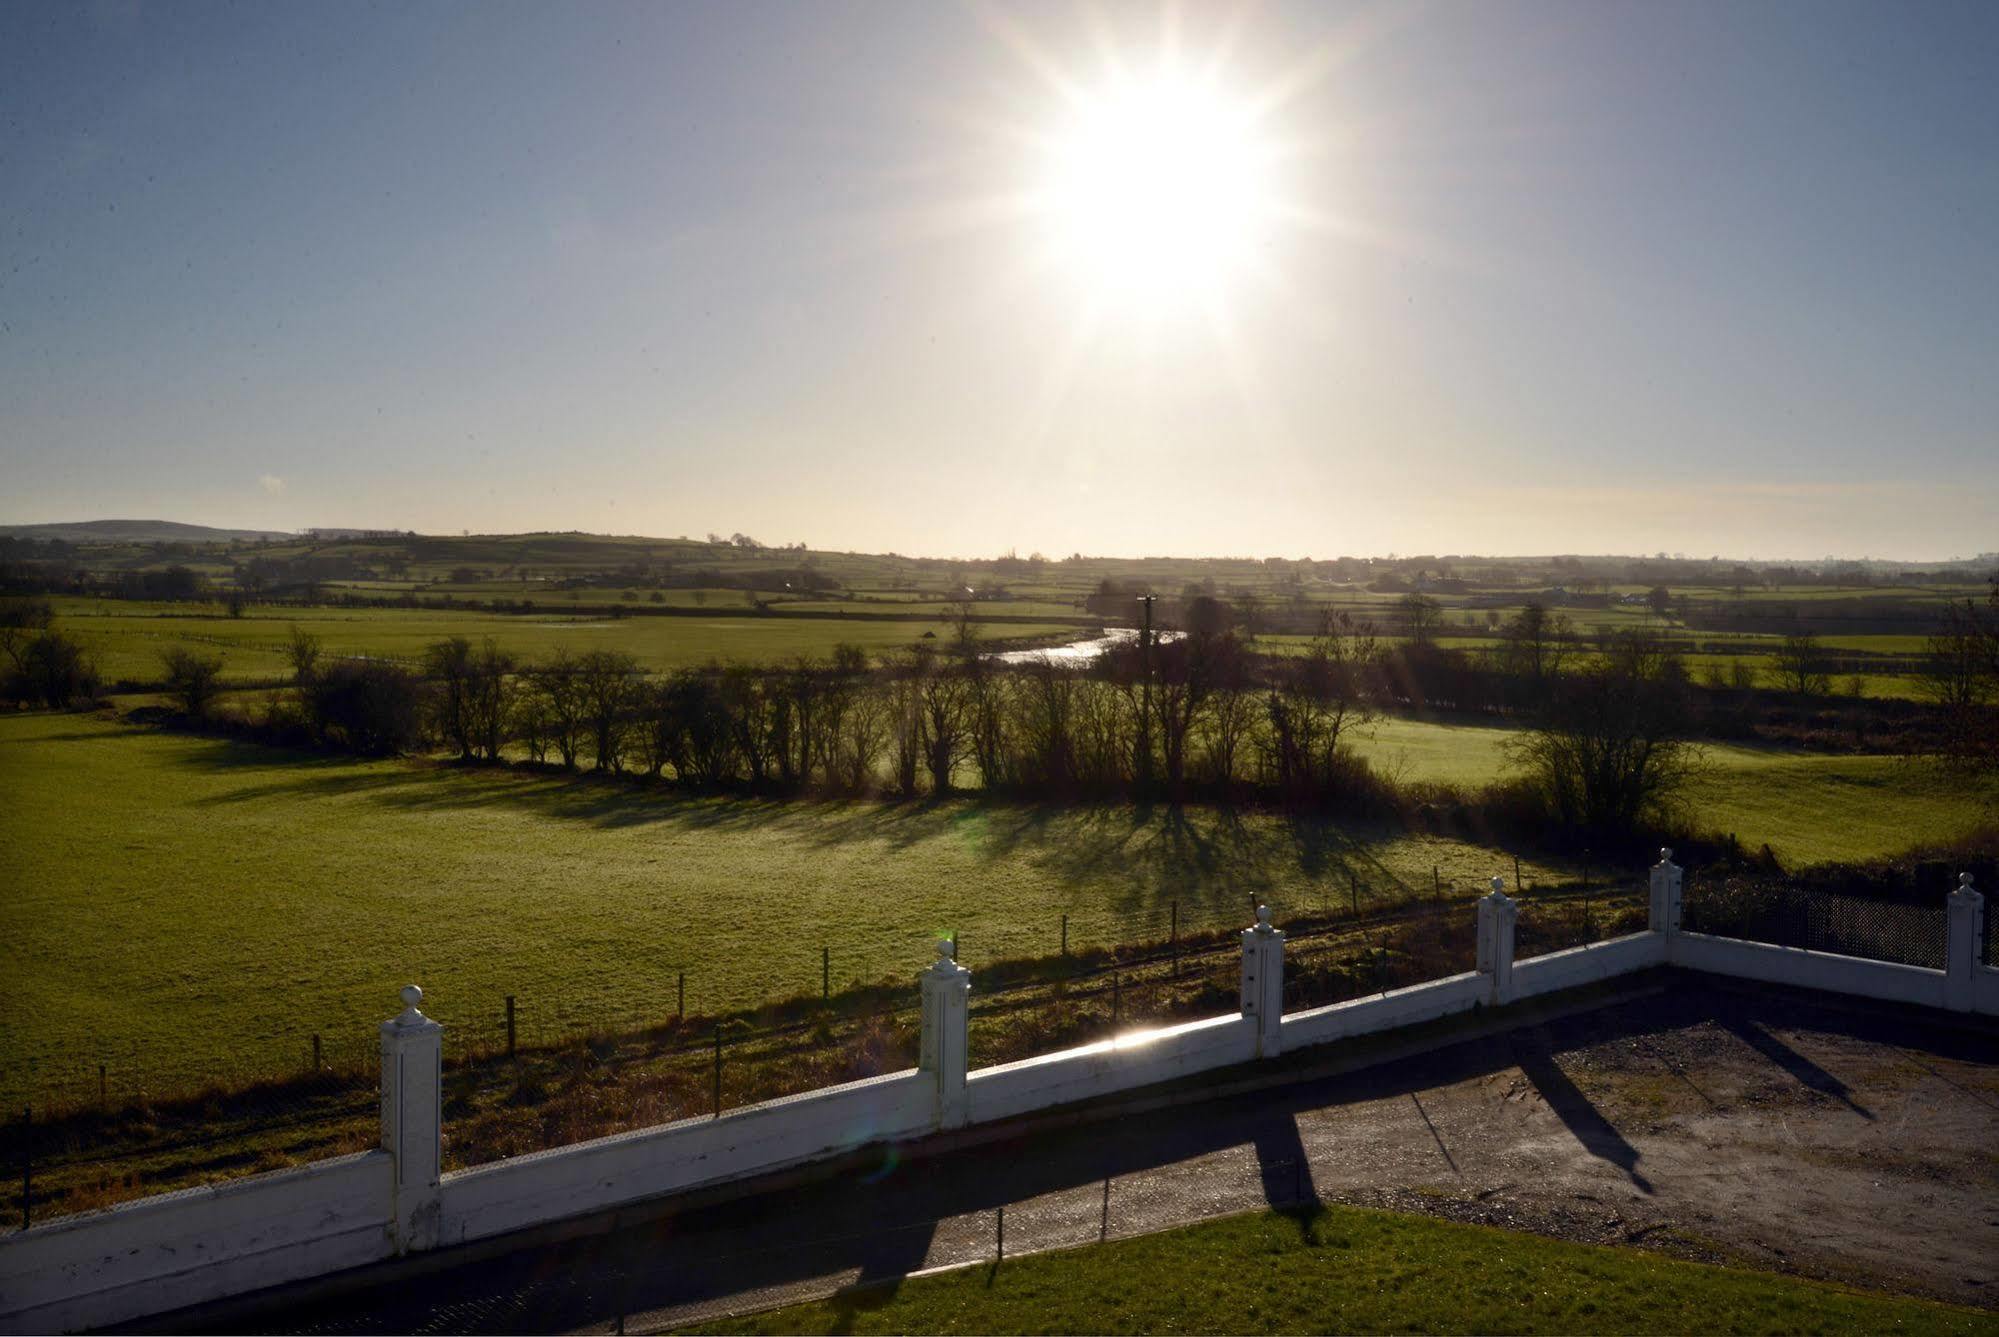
1605,725
1196,717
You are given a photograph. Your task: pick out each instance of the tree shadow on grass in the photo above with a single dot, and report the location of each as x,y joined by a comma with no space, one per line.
1145,857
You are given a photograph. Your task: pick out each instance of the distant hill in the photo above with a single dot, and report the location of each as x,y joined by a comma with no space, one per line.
138,531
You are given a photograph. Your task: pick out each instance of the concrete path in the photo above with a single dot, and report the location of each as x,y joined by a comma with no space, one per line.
1736,1126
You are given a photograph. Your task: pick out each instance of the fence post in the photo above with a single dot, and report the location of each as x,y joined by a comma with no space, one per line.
1065,935
413,1120
947,988
825,972
1964,929
510,1025
1263,983
1497,915
1667,878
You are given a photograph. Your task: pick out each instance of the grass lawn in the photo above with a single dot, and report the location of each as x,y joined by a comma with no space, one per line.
186,909
1346,1269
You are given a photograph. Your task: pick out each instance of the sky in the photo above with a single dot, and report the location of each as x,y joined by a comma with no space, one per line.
952,279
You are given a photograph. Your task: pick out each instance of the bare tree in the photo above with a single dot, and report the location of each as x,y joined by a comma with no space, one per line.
941,717
1316,697
904,698
1045,725
858,739
1958,670
489,698
1612,746
1535,644
1961,674
448,664
557,708
1801,665
1421,617
302,652
607,681
752,707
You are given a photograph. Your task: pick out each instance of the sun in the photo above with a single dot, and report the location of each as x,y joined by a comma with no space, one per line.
1157,187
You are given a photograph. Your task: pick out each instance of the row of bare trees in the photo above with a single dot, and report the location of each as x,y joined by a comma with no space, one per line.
1198,714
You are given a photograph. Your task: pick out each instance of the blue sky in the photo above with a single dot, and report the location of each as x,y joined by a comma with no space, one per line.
1534,277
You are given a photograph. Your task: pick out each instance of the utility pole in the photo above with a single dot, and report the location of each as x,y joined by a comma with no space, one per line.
1145,709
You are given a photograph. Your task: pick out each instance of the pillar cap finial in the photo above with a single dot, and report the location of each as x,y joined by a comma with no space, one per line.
1263,917
1964,882
1499,886
410,1018
1665,854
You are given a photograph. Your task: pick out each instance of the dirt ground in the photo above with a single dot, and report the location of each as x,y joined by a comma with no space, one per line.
1727,1124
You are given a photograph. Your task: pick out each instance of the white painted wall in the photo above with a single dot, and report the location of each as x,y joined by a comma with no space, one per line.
1886,980
198,1244
1129,1061
1985,990
202,1244
628,1167
1398,1007
1587,965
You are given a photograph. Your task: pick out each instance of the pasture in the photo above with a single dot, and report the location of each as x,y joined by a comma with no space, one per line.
1809,807
191,910
127,639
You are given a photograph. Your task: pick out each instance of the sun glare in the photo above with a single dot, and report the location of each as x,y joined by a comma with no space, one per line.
1157,189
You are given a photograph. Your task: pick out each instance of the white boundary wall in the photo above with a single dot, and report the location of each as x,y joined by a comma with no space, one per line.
606,1172
1885,980
198,1244
203,1244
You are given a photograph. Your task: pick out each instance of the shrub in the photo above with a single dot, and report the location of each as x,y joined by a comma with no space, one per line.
366,705
50,668
192,679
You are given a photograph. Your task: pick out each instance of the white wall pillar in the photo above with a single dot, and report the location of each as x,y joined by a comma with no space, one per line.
1263,983
1964,921
947,997
1497,915
413,1120
1666,879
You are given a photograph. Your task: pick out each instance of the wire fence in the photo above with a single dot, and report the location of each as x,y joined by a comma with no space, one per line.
1592,914
521,1076
1905,926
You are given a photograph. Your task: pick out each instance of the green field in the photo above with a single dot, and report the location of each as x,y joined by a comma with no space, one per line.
1810,807
127,639
187,909
1346,1269
192,908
